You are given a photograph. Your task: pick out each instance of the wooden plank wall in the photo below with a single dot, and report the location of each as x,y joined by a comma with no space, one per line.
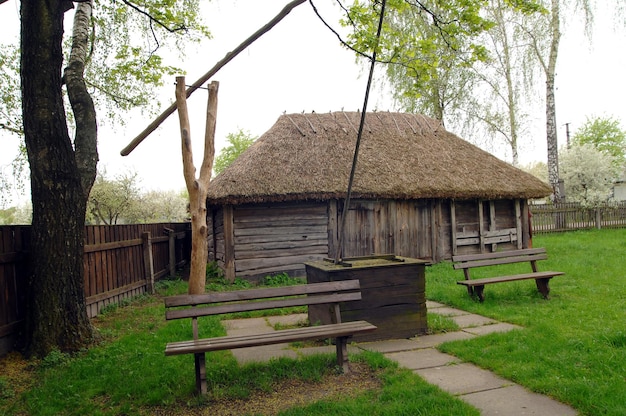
403,228
278,238
479,226
113,260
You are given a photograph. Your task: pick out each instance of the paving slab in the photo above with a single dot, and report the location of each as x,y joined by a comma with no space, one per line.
488,329
448,311
516,400
462,378
430,341
430,304
472,320
288,320
390,345
246,326
420,359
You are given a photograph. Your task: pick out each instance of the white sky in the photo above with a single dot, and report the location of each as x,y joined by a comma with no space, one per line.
300,66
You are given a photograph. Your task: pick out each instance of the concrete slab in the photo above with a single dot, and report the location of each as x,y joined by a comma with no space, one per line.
287,320
472,320
462,378
448,311
515,400
429,341
488,329
391,345
420,359
246,326
432,305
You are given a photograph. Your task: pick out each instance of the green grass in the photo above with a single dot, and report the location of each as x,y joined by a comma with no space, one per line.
128,373
573,347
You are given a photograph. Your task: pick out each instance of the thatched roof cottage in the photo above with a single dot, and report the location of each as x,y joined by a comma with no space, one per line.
419,191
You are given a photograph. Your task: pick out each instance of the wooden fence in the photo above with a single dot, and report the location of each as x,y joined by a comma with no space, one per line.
548,218
120,261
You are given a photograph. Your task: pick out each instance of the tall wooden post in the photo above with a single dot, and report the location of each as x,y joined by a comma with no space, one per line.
197,188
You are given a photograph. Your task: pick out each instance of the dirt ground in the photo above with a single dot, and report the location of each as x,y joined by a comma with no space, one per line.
287,394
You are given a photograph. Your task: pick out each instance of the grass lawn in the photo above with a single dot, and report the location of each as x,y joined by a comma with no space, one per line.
573,347
128,374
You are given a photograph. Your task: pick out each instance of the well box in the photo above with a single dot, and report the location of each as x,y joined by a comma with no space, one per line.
393,294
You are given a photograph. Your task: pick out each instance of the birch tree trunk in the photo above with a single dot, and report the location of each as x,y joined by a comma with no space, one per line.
551,129
197,188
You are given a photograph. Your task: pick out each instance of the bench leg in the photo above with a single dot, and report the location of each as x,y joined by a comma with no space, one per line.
470,291
342,353
199,359
544,287
478,290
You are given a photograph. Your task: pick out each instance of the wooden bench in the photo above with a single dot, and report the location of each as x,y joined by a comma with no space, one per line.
195,306
532,255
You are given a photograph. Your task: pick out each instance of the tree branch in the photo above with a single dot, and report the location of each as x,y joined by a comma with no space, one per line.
154,19
229,57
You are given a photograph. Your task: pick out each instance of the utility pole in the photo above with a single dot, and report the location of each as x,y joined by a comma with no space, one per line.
567,133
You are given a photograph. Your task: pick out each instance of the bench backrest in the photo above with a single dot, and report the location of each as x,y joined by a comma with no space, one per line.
193,306
500,257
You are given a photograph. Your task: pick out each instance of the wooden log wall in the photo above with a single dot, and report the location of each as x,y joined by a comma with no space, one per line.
271,238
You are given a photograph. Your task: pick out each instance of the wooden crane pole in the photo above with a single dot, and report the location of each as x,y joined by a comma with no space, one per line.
229,56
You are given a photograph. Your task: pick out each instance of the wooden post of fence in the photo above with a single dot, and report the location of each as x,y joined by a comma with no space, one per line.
147,260
172,248
171,245
598,218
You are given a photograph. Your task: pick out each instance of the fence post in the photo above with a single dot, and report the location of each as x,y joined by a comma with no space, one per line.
598,218
147,260
172,248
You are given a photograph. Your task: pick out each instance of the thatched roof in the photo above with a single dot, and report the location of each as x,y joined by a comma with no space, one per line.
401,156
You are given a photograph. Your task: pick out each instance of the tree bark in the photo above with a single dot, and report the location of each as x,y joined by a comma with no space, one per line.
551,129
56,315
197,188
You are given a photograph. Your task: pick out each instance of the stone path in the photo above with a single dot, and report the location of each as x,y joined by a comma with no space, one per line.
489,393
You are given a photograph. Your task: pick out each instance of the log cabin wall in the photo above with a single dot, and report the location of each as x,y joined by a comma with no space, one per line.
265,239
271,238
403,228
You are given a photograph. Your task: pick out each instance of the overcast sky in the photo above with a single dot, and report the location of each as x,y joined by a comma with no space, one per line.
300,66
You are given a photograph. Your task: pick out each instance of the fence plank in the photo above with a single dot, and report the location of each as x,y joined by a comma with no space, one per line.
113,260
547,218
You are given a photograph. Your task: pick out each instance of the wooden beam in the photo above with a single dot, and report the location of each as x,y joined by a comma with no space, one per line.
229,57
453,226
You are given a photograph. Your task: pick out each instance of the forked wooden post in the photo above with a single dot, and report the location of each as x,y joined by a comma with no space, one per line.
197,187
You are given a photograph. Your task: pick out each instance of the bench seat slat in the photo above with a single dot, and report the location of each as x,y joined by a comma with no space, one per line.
495,262
499,279
263,293
275,337
261,305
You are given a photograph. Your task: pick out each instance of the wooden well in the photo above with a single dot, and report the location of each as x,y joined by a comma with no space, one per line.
393,294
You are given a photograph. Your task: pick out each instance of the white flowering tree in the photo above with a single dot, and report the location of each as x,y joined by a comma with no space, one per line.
588,173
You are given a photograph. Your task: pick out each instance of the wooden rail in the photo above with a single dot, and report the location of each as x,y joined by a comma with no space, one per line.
548,218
